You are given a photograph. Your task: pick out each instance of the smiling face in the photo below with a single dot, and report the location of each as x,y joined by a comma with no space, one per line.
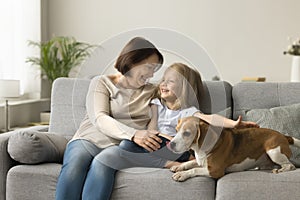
141,72
170,86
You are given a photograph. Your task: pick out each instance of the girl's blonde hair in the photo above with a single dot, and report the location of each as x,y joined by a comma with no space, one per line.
192,87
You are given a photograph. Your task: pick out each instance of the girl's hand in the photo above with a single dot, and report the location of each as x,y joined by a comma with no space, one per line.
244,124
147,139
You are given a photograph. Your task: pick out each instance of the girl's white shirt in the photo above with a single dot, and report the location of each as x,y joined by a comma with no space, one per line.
168,119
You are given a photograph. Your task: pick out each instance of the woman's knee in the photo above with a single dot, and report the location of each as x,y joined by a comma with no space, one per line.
78,157
101,169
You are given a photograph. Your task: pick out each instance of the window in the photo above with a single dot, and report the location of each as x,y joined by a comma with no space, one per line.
20,21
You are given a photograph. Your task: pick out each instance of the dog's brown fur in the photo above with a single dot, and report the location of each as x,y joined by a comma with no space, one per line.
228,148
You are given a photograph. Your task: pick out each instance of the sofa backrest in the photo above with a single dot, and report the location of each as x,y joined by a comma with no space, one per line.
67,105
69,96
260,95
217,98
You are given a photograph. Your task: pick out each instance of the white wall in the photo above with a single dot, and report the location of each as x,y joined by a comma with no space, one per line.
243,37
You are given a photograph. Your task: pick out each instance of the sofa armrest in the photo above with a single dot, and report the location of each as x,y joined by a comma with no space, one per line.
41,128
6,162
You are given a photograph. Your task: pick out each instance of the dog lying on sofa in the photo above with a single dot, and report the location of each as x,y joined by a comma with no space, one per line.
219,150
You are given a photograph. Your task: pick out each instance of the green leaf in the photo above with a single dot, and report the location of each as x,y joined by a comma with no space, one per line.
59,55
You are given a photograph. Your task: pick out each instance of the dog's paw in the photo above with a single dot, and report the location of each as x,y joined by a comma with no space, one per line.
180,176
176,168
284,168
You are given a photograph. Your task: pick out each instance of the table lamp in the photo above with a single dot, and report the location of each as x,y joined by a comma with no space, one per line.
8,89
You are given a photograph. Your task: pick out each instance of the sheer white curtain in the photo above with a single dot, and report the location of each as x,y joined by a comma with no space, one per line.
20,21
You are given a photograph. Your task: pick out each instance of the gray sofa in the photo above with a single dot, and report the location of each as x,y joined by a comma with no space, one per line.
38,181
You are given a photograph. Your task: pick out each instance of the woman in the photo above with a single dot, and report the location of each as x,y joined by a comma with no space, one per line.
117,109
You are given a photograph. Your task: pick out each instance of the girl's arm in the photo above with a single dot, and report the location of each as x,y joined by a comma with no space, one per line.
218,120
153,122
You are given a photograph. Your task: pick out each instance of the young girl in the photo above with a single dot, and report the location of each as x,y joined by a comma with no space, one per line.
179,95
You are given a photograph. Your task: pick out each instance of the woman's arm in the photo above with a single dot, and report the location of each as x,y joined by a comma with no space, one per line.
98,110
153,122
218,120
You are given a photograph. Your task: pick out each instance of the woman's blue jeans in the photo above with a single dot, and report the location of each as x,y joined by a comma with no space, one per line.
82,175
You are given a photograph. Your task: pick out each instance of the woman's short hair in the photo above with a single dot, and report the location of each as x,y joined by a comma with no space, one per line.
135,51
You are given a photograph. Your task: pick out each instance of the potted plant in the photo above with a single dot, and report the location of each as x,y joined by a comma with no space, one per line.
294,50
59,55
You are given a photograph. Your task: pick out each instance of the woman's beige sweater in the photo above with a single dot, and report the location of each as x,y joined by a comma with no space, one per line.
113,113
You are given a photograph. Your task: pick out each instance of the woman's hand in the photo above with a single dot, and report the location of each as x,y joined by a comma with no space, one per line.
244,124
147,139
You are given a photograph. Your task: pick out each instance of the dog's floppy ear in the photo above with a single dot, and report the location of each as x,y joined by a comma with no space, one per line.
178,124
198,135
199,125
211,138
179,121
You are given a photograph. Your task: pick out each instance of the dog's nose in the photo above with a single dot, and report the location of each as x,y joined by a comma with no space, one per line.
172,145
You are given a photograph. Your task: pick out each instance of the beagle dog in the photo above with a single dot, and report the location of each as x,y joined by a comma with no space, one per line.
221,150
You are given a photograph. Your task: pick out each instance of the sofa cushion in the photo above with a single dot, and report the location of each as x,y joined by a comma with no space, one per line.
152,183
261,95
133,183
42,179
217,97
32,147
227,112
257,184
284,119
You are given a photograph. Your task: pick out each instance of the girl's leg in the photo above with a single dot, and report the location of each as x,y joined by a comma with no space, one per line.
77,159
131,146
163,152
117,158
130,149
186,156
